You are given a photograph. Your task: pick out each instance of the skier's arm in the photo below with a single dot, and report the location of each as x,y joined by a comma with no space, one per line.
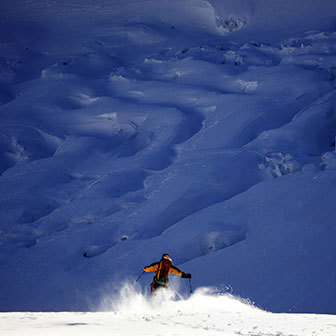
175,270
151,268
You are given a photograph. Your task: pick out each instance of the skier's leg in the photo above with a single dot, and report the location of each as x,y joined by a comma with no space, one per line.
154,286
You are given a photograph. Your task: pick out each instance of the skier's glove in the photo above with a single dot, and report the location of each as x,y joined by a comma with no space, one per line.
186,275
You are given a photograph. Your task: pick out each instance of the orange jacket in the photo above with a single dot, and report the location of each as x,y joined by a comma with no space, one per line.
155,267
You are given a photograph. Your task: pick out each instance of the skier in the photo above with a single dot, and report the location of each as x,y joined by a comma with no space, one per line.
162,269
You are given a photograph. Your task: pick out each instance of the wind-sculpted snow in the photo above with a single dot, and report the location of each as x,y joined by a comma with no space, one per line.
205,129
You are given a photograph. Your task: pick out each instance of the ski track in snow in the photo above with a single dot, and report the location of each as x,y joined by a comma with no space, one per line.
141,132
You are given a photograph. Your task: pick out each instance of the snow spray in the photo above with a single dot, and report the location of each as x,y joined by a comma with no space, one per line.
132,299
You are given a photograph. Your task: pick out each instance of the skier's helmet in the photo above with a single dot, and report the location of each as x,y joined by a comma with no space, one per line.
166,256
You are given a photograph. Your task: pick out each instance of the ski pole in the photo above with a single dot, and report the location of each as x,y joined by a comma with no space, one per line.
139,276
190,286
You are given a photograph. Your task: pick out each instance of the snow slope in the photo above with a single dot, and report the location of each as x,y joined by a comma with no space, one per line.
201,314
205,129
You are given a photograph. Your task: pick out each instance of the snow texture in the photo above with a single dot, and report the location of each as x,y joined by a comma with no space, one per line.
202,129
204,313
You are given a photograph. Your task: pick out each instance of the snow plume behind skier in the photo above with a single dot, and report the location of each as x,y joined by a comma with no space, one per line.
132,300
162,270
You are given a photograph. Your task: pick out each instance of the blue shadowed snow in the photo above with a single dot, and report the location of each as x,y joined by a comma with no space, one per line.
204,129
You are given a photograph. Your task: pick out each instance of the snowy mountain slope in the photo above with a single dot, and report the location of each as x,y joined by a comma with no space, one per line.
205,129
